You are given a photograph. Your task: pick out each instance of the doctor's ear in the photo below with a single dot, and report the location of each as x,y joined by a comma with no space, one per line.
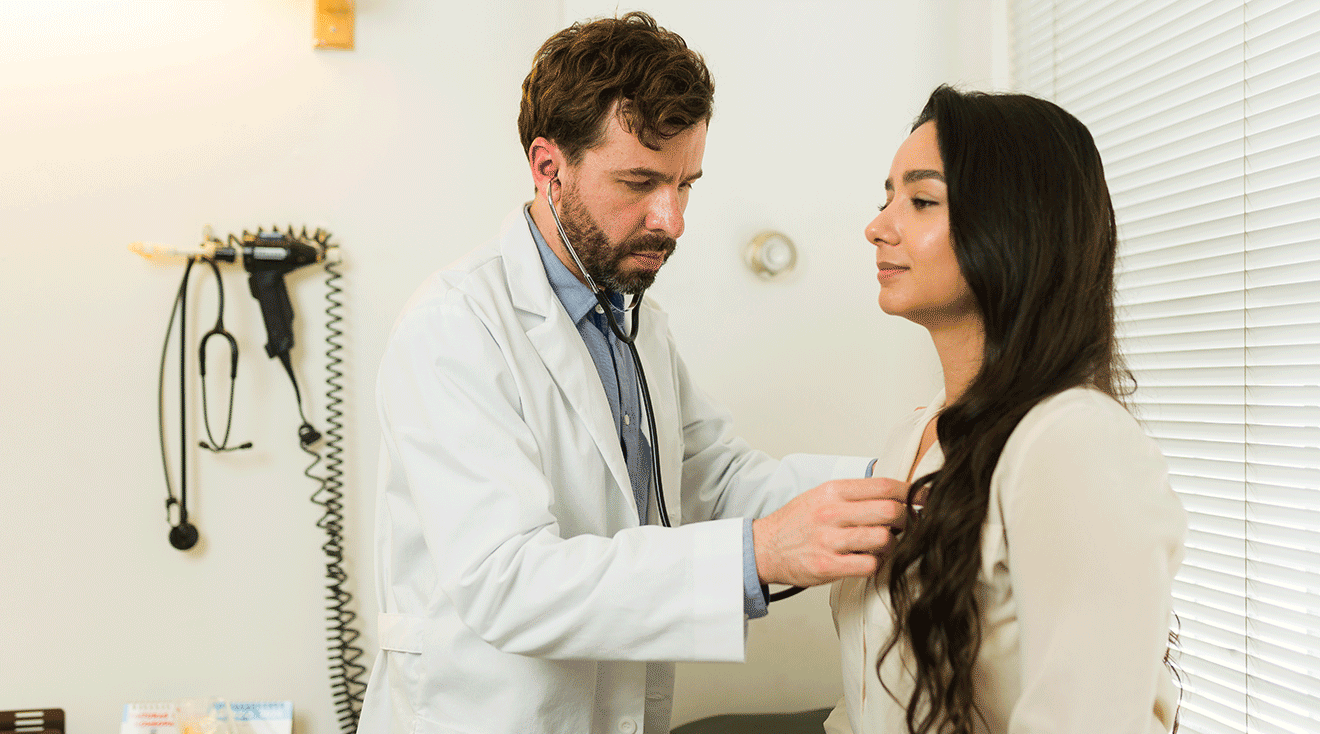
545,159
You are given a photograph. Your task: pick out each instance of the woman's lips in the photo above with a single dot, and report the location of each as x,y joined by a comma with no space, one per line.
888,270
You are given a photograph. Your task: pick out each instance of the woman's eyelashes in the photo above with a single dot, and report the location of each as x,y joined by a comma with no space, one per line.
918,203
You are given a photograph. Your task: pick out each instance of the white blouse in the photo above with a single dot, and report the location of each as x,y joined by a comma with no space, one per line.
1081,543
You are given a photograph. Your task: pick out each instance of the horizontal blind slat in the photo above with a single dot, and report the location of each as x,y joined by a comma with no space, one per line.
1206,117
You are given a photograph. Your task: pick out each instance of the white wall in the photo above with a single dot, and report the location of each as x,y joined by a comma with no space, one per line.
147,120
129,121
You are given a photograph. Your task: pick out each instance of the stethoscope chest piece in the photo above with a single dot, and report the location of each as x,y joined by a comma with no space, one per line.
183,536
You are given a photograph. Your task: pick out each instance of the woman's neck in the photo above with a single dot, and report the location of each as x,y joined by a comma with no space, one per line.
960,347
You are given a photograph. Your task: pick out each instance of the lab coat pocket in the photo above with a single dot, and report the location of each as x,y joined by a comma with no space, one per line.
401,632
431,727
401,642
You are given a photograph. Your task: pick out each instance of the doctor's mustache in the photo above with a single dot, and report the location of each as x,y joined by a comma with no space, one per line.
649,243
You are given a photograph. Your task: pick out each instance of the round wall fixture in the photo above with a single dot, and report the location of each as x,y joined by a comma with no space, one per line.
770,254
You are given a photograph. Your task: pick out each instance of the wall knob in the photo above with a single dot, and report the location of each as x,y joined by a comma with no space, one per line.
770,254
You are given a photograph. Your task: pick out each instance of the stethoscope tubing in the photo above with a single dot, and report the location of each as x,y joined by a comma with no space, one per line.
629,339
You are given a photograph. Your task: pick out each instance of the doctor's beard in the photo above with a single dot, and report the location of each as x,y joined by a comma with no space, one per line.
603,259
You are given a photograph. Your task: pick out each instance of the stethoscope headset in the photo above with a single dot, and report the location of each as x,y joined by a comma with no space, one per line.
602,297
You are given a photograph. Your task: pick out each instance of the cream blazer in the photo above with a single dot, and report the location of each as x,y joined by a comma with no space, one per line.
518,594
1080,547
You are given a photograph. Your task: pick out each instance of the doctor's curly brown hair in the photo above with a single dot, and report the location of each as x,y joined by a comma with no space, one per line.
660,86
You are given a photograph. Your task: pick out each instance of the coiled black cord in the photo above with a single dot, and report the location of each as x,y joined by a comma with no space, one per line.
346,672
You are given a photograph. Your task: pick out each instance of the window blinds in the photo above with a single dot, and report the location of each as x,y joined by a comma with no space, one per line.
1207,114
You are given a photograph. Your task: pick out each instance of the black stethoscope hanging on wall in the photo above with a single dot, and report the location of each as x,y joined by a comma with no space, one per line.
630,338
219,330
183,534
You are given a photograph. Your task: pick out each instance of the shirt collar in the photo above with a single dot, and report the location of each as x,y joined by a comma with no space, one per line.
577,298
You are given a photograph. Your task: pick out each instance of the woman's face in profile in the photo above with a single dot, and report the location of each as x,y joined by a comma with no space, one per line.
919,275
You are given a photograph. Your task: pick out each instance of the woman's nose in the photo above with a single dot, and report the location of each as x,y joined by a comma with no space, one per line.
881,230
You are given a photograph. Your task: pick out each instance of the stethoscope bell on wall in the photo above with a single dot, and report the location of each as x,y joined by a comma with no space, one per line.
770,254
183,536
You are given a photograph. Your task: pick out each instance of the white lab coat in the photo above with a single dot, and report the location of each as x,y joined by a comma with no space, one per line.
518,592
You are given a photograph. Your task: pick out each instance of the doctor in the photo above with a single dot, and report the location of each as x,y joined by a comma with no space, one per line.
524,582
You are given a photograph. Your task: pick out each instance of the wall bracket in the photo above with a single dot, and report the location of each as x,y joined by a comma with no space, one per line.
334,23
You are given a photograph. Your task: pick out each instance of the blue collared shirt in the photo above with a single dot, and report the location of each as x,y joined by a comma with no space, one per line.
618,377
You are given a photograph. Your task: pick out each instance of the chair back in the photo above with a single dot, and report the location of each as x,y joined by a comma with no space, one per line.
32,721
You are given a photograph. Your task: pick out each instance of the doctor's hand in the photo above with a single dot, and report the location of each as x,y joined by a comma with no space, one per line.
829,532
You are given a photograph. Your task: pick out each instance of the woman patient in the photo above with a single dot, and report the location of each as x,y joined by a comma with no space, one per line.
1030,591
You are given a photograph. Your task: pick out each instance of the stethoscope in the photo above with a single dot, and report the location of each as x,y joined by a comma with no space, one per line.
183,534
629,339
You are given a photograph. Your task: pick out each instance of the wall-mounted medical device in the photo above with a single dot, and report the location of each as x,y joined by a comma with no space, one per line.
267,256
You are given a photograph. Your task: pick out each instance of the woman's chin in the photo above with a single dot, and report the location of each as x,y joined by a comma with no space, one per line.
890,307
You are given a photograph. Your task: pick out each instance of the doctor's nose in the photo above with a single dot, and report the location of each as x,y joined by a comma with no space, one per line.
666,213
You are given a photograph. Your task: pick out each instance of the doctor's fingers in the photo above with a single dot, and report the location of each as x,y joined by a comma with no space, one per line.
892,513
851,564
863,540
870,488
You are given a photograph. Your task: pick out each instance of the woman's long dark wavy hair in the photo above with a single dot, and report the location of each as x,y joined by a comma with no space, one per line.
1033,230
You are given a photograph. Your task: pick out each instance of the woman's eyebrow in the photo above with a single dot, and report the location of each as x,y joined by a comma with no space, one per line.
922,173
914,176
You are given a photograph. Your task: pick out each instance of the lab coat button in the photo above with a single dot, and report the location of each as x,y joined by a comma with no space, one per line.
627,419
628,726
599,308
